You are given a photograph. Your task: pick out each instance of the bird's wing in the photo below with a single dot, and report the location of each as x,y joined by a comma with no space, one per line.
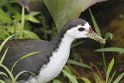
18,48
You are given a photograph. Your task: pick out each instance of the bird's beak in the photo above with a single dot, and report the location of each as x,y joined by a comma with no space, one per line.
96,37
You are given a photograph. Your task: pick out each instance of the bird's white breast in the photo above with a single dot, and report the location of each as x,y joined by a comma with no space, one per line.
56,64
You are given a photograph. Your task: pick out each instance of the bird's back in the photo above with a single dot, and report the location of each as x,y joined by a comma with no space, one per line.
19,48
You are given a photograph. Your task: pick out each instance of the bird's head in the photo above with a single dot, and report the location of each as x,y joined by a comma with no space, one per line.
81,29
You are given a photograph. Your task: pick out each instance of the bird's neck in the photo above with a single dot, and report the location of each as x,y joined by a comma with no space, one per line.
62,41
65,42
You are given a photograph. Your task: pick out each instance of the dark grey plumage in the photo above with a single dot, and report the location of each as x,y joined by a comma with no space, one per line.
19,48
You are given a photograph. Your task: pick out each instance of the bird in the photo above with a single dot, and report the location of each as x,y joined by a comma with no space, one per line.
52,55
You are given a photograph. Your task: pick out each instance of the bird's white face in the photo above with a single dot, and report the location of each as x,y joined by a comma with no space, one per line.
80,31
84,31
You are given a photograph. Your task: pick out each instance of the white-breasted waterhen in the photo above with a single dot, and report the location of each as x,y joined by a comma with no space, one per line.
52,56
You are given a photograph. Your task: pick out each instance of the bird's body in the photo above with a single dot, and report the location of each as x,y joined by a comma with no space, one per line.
39,63
52,56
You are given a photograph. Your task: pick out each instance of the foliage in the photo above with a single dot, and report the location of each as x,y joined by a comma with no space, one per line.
14,24
17,25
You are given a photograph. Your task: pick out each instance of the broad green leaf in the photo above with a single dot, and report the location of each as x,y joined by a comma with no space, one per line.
4,17
25,56
78,64
119,78
86,80
63,11
110,66
97,29
111,49
70,77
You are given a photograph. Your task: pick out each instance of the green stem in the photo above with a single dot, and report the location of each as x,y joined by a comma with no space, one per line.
104,60
22,22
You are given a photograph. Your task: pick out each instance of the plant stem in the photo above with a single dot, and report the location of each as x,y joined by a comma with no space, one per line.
104,60
22,22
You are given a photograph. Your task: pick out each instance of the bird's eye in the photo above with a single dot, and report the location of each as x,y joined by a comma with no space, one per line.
81,29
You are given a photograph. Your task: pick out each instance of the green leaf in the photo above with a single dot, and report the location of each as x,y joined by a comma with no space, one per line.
111,49
109,69
3,56
1,81
70,77
56,81
32,19
63,11
108,36
4,42
4,17
8,71
20,73
96,77
86,80
3,74
95,23
119,78
34,13
67,69
29,34
110,79
28,55
78,64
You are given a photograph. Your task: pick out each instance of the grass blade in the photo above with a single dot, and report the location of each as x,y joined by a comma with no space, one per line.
3,57
7,70
25,56
86,80
110,80
78,64
4,42
109,69
56,81
94,23
3,74
111,49
20,73
119,78
70,77
96,77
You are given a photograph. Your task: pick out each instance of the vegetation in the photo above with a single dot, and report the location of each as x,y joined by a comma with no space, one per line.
14,24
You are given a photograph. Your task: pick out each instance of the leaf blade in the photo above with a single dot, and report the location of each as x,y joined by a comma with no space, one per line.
70,77
110,66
